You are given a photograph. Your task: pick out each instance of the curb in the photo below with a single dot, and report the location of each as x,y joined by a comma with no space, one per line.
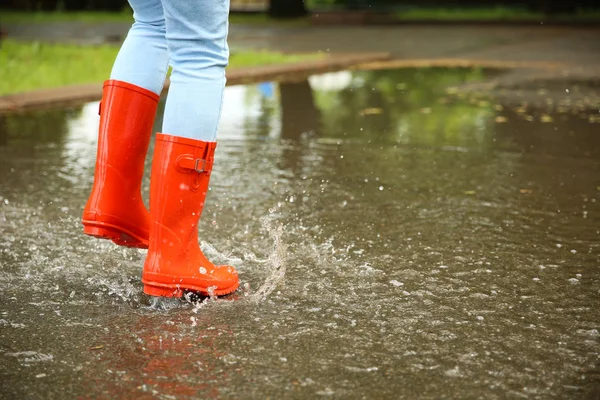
74,94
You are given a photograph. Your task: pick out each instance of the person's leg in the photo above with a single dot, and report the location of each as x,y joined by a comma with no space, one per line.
197,42
115,209
143,59
184,152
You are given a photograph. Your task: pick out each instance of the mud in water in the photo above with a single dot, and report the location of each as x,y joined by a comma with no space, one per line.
396,236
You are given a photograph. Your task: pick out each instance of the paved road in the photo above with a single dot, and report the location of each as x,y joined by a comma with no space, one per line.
579,47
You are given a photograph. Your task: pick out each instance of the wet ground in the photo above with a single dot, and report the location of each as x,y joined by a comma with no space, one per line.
396,236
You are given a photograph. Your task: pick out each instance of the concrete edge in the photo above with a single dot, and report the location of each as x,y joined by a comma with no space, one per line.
457,63
62,96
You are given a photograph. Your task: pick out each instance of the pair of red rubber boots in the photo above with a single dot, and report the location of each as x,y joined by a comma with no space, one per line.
179,181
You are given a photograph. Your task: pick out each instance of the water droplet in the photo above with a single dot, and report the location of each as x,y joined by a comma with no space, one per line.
211,292
455,372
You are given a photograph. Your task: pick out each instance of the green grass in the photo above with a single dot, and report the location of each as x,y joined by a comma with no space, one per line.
255,58
264,19
33,65
127,16
487,14
58,16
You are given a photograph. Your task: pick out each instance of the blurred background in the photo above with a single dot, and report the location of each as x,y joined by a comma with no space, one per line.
409,190
295,8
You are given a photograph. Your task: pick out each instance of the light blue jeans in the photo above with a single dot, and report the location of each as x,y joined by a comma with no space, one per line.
191,36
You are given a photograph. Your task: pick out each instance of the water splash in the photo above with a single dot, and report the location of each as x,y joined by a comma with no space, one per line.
28,357
276,261
122,288
163,303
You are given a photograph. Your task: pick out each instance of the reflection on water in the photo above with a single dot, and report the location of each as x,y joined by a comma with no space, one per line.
396,238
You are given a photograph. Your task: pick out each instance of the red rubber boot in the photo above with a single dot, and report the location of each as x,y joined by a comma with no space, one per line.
115,209
178,184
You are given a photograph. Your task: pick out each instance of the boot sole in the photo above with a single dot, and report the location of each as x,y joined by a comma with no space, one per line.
116,234
163,290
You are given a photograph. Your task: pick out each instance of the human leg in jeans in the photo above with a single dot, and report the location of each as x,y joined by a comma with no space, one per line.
115,209
196,34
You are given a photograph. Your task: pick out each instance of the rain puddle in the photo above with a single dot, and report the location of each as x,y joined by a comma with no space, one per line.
397,236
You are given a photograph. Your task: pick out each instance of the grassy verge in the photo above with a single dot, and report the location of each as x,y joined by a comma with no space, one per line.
264,19
127,16
58,16
33,65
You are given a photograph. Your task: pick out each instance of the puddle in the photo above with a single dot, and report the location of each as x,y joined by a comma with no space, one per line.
396,237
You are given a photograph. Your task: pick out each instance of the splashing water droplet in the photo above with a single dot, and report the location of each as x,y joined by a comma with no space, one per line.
211,291
275,261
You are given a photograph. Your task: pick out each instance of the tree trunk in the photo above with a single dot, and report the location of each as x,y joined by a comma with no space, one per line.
287,8
299,113
299,116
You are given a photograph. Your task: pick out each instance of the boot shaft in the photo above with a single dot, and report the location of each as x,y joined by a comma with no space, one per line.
126,118
115,209
179,182
178,186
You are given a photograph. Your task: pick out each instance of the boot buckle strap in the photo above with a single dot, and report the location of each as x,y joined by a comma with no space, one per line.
203,168
188,162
